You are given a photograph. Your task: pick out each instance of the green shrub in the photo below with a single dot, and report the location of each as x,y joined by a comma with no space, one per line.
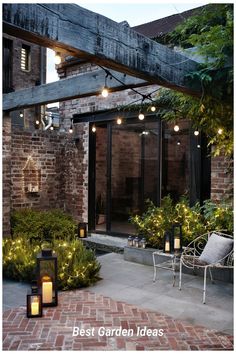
52,224
195,220
77,266
218,216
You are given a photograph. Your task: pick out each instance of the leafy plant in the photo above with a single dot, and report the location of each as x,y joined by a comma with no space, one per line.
77,266
195,220
52,224
218,216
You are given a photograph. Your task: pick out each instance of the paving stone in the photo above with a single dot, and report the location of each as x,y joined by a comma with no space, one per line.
90,310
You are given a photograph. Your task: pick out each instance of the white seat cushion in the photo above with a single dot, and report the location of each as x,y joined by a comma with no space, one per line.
217,247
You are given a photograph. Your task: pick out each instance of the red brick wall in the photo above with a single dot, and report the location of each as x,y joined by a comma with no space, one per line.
221,178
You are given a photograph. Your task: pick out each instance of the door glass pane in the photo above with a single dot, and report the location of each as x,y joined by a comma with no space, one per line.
133,172
101,177
175,160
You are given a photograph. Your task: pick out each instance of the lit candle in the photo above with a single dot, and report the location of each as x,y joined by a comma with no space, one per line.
35,308
167,246
47,292
177,244
81,232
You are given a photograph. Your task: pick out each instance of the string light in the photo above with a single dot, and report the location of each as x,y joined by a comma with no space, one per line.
21,114
198,146
37,122
153,108
119,121
220,131
141,115
71,127
105,90
196,132
57,58
178,143
52,127
94,128
176,128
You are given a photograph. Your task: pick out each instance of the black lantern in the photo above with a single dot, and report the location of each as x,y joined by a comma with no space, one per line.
34,303
177,237
167,242
47,277
82,230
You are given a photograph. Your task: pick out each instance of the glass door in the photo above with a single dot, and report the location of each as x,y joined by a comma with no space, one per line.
127,173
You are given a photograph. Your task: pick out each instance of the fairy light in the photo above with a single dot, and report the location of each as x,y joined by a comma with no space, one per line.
196,132
94,128
71,127
105,92
220,131
21,114
119,121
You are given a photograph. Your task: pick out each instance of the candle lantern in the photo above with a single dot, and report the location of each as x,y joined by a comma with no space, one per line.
47,277
167,242
82,230
130,241
143,243
136,242
34,303
177,237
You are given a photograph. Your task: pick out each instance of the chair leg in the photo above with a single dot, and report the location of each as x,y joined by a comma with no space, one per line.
212,280
204,286
155,274
180,275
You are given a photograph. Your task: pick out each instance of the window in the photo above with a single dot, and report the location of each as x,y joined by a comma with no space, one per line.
25,58
7,65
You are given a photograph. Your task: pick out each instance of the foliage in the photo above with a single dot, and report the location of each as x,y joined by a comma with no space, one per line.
52,224
77,267
157,220
210,32
218,216
195,220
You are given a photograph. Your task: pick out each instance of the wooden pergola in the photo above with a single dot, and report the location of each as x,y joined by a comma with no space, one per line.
71,29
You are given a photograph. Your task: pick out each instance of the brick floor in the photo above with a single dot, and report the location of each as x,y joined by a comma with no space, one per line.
87,310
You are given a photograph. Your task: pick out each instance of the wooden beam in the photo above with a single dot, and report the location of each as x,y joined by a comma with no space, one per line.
85,34
87,84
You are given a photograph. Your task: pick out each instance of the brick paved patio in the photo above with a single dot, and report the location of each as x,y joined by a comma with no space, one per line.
88,310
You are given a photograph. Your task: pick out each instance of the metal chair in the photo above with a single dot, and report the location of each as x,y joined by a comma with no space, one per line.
191,254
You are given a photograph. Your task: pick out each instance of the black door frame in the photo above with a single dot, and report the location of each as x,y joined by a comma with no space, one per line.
92,171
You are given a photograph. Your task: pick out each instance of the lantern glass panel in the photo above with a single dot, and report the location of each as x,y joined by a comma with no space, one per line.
167,243
34,305
47,279
82,230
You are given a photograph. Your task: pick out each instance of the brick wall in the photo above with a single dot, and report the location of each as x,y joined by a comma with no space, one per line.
221,178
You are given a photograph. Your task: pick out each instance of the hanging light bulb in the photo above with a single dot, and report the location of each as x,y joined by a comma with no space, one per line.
52,127
71,126
94,128
198,146
153,108
178,142
105,92
220,131
21,114
119,121
57,58
141,115
37,122
196,132
176,128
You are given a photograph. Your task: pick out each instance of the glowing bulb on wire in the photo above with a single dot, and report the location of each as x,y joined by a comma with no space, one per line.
119,121
196,132
57,58
105,92
220,131
153,108
141,116
176,128
94,129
